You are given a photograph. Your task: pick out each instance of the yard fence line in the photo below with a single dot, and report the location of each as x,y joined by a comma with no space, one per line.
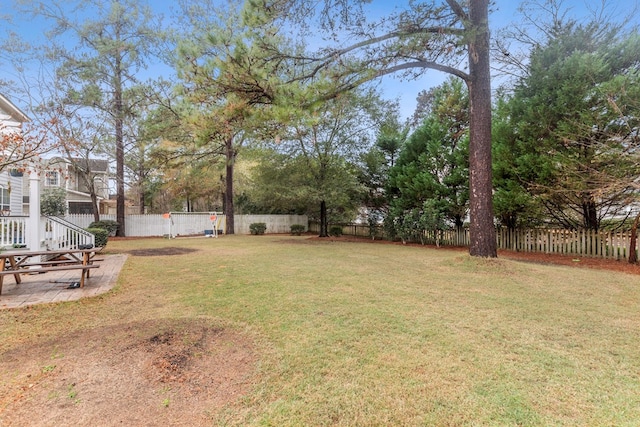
192,223
599,244
602,244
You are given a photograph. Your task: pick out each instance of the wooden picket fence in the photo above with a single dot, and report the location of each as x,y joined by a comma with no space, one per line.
601,244
585,243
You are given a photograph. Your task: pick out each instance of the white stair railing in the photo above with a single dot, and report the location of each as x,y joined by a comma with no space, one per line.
61,234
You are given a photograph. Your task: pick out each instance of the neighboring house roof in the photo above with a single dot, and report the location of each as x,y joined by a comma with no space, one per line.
8,107
95,165
80,193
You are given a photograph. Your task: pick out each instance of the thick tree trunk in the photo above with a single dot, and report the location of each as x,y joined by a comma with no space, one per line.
119,124
590,213
120,196
141,195
141,204
324,222
228,194
633,254
482,230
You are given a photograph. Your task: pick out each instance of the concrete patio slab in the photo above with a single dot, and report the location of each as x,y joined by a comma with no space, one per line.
54,286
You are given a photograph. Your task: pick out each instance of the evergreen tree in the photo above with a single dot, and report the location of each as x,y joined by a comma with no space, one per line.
375,164
574,145
432,171
228,81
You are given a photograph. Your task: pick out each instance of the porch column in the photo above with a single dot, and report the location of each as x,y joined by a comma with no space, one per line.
33,226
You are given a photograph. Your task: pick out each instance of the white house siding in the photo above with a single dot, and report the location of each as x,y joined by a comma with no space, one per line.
16,193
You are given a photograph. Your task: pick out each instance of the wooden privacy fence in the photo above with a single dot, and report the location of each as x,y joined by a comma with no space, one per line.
192,223
613,245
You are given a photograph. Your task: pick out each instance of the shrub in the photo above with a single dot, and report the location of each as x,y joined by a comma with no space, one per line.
101,236
53,201
257,228
107,224
336,231
297,229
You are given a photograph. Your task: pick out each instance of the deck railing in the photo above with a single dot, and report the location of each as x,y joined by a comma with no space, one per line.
56,233
13,231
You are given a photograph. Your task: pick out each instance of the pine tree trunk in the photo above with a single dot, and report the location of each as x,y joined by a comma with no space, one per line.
324,222
119,134
228,194
141,195
482,231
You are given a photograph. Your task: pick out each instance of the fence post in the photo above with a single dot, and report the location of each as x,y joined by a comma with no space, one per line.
33,237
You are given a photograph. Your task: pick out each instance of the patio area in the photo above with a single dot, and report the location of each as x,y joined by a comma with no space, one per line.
54,286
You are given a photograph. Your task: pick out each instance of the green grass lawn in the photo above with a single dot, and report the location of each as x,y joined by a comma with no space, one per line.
362,334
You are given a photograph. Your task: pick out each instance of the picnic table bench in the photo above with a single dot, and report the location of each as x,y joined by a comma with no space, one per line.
29,262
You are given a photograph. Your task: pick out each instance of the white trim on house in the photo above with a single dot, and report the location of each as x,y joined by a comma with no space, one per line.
12,111
81,194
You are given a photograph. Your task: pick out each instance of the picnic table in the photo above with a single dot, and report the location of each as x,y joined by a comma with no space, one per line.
30,262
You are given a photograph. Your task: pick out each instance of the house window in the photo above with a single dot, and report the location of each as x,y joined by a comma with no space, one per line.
51,179
5,204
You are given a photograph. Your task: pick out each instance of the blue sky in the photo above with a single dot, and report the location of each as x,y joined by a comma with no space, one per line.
392,87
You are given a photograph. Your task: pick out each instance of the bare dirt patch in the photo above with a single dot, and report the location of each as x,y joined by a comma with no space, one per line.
161,251
168,372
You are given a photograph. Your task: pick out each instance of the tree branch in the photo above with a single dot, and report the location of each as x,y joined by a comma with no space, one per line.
457,9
